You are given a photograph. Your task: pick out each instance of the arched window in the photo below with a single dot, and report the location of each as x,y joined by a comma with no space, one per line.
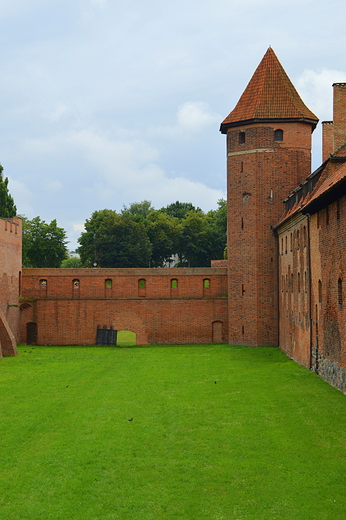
241,137
75,288
304,236
142,287
340,292
174,287
108,283
278,135
43,287
206,283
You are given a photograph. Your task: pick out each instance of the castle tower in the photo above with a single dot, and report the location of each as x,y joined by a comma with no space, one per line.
268,155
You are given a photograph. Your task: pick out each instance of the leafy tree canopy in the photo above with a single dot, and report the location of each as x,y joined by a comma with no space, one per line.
142,236
114,240
73,262
180,209
44,245
7,206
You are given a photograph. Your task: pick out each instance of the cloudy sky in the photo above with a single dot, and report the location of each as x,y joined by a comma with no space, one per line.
108,102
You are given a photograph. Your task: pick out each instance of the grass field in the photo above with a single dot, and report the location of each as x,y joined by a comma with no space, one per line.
161,432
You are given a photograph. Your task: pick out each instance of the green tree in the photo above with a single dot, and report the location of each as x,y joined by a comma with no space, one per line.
179,209
44,245
164,233
138,211
99,220
115,241
73,262
217,231
194,239
7,206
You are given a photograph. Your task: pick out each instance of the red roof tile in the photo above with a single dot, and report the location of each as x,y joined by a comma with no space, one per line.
329,183
269,95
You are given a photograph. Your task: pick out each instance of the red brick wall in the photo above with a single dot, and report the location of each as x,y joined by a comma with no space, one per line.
339,115
328,260
10,272
294,289
261,172
67,314
327,139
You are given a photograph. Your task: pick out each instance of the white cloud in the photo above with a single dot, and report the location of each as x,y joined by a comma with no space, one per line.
316,90
195,115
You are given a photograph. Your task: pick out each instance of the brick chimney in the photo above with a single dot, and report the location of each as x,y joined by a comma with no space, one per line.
327,139
339,91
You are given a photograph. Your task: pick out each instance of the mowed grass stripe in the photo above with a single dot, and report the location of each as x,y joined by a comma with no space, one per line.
216,432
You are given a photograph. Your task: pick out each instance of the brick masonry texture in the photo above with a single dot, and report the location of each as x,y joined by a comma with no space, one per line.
67,305
283,283
10,276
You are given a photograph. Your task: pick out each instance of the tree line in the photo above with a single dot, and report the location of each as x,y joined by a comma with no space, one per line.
139,236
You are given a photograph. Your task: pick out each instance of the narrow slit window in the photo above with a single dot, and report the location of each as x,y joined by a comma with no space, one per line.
241,137
340,292
319,291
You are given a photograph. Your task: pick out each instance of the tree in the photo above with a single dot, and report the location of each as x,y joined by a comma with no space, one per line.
163,232
116,240
73,262
44,245
194,239
138,211
179,209
7,206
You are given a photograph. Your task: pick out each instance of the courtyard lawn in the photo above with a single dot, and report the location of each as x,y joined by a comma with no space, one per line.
168,432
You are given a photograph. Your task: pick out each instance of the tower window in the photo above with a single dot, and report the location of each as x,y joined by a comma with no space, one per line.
206,283
319,291
241,137
278,135
340,292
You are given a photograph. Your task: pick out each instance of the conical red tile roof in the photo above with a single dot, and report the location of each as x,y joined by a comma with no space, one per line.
269,96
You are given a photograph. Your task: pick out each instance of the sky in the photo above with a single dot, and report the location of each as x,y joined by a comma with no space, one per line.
108,102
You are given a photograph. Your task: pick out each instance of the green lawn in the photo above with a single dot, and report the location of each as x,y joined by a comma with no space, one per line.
217,432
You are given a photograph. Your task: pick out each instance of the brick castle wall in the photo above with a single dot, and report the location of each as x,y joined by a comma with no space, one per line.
162,306
10,276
